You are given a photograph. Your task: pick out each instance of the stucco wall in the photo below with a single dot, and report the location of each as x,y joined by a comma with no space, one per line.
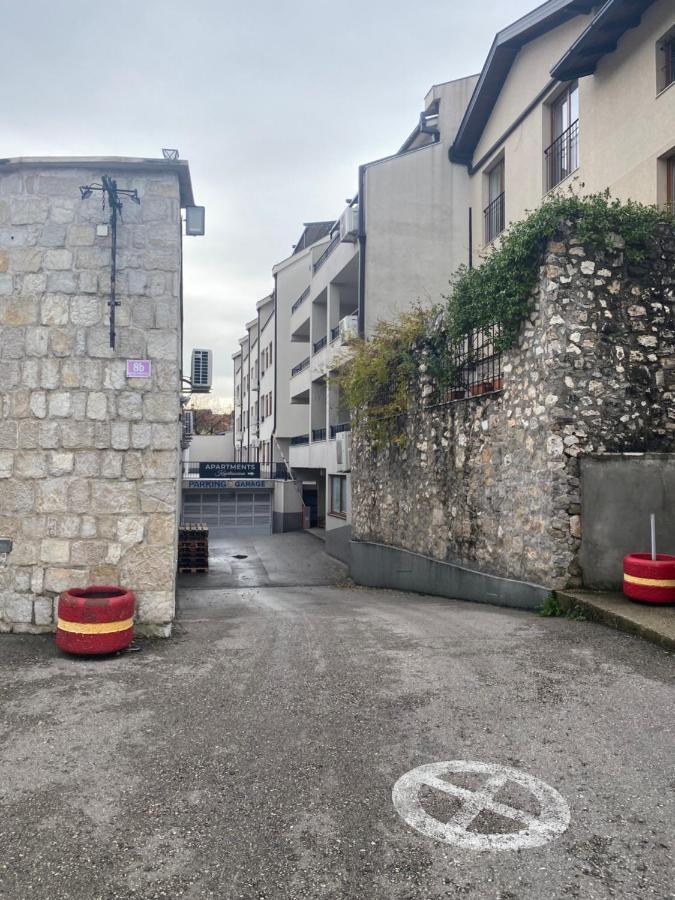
416,218
493,483
88,457
624,127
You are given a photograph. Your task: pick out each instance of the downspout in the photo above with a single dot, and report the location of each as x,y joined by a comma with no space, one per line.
276,357
470,237
362,252
257,418
248,411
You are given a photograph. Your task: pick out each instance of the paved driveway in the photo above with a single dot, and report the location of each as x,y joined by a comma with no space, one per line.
254,755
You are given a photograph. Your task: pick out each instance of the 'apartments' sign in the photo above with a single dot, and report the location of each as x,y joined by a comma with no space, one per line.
229,470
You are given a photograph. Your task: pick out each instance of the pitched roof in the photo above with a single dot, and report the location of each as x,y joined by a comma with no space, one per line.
312,233
503,52
613,19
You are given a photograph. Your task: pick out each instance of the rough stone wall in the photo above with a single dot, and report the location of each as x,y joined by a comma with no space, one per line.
88,458
493,482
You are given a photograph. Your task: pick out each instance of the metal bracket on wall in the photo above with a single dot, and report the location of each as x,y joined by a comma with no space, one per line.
111,193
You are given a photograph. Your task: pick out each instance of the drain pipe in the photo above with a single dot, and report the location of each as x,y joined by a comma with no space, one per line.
362,252
257,418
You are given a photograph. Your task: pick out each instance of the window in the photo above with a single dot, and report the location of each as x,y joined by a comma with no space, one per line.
670,184
493,213
562,155
338,495
270,348
665,61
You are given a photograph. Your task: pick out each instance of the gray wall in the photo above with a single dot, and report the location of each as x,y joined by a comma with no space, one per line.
618,494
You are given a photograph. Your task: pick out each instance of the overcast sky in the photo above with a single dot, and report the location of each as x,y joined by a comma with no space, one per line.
274,104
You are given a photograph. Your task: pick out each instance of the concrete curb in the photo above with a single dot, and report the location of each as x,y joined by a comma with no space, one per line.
379,565
652,623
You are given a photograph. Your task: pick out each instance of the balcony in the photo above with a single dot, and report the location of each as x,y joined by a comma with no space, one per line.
318,434
338,429
301,366
334,333
493,218
299,440
335,240
301,299
320,344
562,156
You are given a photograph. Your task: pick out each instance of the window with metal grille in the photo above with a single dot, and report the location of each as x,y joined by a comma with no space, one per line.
476,366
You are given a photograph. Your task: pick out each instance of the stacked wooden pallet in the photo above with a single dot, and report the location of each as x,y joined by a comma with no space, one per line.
193,548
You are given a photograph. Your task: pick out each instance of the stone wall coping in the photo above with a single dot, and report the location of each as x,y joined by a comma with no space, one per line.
130,164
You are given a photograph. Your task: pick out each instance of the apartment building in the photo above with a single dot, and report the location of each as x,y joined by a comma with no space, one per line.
577,96
572,96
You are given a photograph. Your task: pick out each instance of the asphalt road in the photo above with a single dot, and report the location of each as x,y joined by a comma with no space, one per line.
254,754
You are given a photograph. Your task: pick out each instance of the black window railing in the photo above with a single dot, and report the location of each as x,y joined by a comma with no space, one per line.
320,344
334,241
562,156
334,333
337,429
494,220
301,299
476,367
299,440
318,434
301,366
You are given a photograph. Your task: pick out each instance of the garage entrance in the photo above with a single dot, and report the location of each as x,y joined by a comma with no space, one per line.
237,513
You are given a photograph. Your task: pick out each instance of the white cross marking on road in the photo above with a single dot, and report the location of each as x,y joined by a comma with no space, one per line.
553,818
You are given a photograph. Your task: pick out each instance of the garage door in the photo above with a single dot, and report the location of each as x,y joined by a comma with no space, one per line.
230,513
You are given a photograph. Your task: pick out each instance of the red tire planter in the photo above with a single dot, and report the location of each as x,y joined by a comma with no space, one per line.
647,579
94,620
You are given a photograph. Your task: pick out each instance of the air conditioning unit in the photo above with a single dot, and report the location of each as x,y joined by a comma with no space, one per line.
349,224
202,368
343,446
348,327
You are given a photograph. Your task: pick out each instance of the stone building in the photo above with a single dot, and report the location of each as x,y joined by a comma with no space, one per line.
89,452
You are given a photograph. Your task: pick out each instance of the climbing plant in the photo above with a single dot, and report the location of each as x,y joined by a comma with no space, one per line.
377,378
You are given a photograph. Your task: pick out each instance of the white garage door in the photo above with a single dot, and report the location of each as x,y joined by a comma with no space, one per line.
230,513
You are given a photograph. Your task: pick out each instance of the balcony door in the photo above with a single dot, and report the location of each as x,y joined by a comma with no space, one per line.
562,156
494,212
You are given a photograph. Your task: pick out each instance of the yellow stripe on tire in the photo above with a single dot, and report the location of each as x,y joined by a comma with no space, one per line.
650,582
94,627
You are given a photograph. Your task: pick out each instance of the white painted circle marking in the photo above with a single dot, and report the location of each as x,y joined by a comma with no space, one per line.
532,831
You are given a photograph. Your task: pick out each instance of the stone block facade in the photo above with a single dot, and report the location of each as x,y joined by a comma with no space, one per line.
493,482
89,459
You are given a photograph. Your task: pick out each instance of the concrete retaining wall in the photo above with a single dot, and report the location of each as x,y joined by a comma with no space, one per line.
618,494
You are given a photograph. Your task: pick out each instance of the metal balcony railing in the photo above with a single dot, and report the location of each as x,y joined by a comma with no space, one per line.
334,241
318,434
337,429
301,366
320,344
334,333
562,156
301,299
493,216
299,440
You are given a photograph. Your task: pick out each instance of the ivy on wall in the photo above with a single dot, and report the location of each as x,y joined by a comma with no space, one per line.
377,378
